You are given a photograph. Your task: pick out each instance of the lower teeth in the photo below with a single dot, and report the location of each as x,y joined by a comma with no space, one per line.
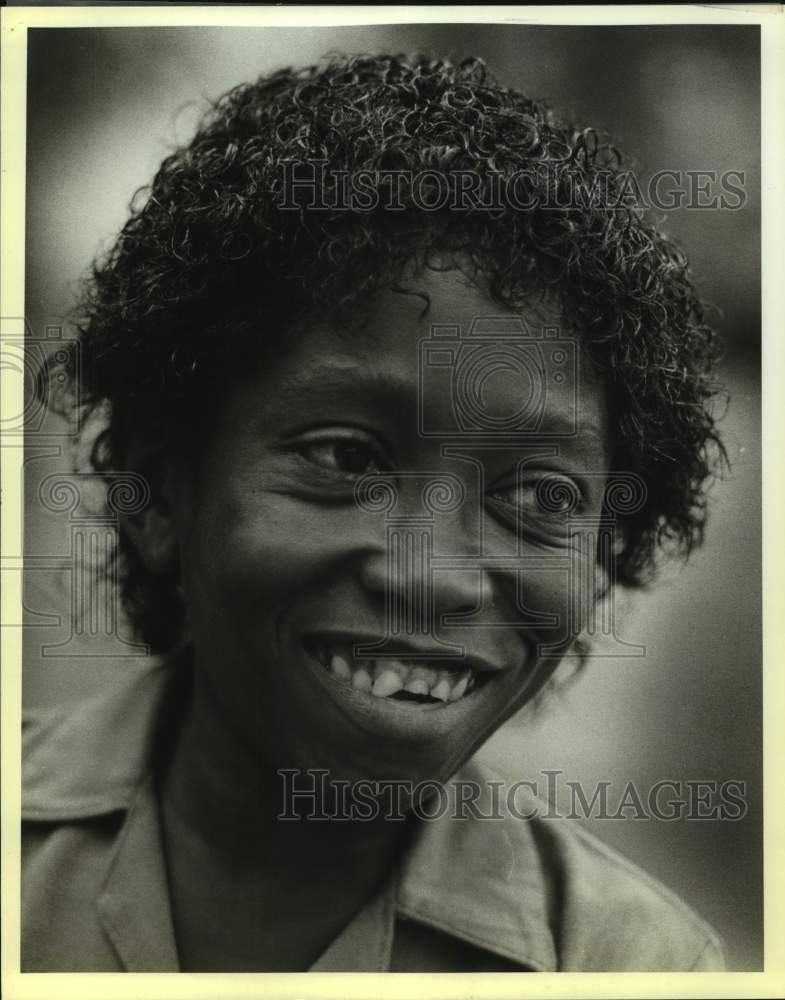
422,699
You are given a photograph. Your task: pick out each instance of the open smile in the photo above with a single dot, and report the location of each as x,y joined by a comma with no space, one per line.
418,695
419,681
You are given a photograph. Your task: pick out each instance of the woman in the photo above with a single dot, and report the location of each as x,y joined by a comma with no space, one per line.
382,341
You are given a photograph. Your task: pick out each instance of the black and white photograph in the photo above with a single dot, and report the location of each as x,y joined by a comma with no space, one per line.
390,468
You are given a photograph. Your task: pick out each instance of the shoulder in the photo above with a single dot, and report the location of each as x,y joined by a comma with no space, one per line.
541,891
607,913
87,758
86,770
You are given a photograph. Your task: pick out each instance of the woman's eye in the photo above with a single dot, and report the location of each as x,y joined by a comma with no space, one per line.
545,496
350,458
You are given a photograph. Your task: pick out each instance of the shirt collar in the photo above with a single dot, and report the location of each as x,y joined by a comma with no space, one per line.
88,758
134,903
481,881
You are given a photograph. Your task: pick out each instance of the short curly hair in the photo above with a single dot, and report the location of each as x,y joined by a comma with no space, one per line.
209,256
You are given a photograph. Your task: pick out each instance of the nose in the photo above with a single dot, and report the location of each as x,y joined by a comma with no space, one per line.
419,519
418,592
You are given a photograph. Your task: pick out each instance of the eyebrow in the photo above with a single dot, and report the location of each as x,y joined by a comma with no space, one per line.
384,389
334,378
555,425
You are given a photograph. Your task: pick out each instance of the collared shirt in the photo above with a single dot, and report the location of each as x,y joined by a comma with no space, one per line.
471,894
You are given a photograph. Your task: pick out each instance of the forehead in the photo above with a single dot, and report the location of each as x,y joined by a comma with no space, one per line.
441,335
433,299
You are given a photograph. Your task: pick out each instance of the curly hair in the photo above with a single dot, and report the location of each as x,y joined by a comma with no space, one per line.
210,262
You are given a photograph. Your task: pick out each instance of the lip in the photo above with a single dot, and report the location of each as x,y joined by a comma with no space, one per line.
398,721
406,650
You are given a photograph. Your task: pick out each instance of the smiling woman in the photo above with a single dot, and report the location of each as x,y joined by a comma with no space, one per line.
383,445
303,567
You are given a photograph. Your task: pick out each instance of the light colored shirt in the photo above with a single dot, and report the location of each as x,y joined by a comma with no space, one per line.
471,895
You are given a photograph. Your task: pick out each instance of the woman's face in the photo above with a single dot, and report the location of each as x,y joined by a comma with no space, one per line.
288,574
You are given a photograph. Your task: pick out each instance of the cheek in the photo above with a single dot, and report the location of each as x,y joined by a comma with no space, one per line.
262,553
554,593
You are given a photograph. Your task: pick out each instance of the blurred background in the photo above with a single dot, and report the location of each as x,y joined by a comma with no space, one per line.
106,105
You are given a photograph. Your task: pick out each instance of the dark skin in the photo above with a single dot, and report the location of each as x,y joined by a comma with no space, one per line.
271,549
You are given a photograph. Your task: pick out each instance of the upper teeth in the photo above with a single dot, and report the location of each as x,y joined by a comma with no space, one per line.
386,677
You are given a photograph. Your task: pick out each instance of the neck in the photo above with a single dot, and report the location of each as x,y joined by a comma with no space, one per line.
231,800
232,863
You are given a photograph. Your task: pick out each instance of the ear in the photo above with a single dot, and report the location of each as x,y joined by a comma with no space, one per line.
153,530
153,536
